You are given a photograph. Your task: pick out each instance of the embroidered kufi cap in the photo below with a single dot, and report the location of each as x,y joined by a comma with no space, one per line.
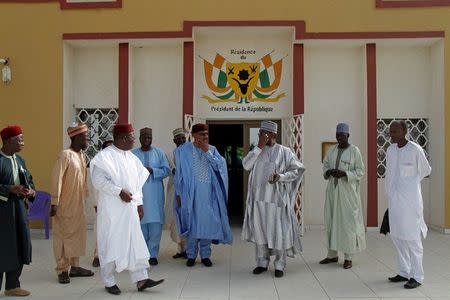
269,126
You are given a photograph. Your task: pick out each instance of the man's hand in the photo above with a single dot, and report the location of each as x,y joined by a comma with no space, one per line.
140,210
274,178
263,139
178,201
29,193
18,190
330,172
53,210
340,174
202,145
150,170
125,196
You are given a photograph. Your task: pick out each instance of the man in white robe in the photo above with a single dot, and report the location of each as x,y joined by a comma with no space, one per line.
270,221
118,175
179,138
406,166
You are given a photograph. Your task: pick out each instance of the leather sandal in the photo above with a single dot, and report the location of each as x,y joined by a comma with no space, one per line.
328,260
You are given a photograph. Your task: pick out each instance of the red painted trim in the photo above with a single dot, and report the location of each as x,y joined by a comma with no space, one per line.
87,5
298,80
299,35
411,3
63,4
372,35
372,161
123,82
185,33
299,26
123,35
188,79
27,1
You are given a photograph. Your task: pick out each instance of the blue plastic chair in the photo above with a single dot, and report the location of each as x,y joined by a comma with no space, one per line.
40,209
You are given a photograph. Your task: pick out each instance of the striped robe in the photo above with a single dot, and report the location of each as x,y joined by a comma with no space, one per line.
269,215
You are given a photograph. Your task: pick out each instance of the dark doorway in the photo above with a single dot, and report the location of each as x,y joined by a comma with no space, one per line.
229,141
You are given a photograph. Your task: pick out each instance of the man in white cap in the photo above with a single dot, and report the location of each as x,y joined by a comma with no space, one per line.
179,138
270,221
69,192
406,167
343,168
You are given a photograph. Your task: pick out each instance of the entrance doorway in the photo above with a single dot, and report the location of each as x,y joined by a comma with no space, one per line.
233,140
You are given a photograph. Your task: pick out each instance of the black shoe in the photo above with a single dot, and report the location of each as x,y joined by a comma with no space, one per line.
207,262
96,262
63,278
279,273
113,290
397,278
153,261
80,272
180,255
149,283
412,284
259,270
190,262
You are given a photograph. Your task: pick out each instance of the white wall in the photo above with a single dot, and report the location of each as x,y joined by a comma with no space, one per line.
90,81
158,91
334,87
404,89
95,81
403,81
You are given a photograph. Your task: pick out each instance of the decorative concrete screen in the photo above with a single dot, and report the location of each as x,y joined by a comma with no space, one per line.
293,138
100,122
417,132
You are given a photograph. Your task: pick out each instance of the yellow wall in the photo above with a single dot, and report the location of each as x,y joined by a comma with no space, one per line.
31,35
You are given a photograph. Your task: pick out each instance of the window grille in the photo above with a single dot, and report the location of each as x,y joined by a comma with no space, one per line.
100,122
417,132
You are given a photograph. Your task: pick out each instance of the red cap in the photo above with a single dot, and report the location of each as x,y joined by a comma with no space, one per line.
10,131
123,128
199,127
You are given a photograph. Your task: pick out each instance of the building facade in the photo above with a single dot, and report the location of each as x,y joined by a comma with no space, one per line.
307,64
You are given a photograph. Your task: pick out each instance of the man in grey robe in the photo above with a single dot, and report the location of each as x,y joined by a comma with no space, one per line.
270,221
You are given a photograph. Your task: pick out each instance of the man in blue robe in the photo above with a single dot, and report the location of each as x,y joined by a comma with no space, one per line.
156,163
201,187
16,185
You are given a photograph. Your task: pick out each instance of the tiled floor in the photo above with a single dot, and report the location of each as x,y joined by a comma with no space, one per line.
231,278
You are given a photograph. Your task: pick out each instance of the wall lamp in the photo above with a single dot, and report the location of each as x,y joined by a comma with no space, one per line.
6,71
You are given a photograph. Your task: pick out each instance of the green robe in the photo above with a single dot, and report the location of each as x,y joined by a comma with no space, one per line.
343,213
15,249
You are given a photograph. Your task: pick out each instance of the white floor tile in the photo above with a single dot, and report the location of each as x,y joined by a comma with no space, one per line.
231,276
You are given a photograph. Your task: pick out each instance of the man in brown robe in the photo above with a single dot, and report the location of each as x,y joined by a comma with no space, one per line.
69,192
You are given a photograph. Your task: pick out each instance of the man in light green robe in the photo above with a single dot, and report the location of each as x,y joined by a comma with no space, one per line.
343,168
